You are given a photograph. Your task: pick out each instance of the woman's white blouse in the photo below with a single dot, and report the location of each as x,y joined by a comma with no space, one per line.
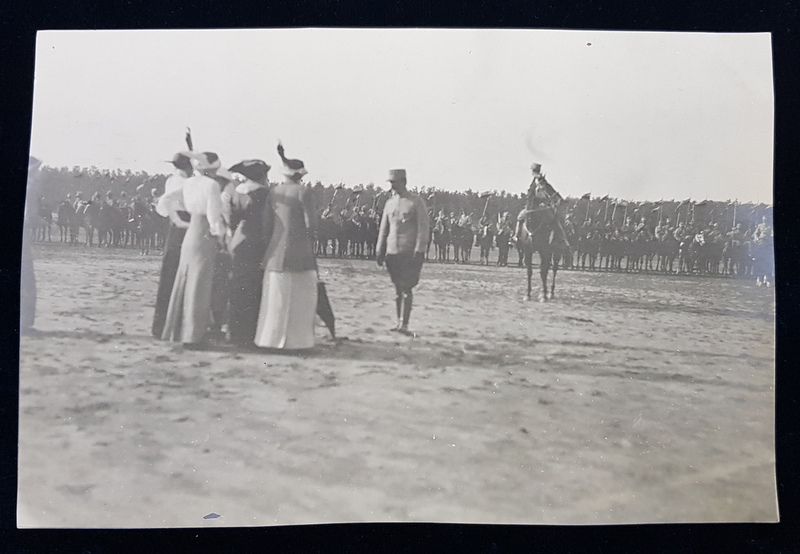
172,199
202,196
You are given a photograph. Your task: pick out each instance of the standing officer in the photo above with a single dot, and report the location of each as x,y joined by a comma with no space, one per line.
402,241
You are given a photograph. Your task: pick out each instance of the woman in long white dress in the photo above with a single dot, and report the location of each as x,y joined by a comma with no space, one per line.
289,291
189,312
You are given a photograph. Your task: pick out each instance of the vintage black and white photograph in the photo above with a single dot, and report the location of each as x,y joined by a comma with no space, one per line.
300,276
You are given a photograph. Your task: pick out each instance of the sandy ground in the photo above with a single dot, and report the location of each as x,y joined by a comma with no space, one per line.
630,398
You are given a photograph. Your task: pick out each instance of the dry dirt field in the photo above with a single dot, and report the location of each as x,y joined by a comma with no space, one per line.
630,398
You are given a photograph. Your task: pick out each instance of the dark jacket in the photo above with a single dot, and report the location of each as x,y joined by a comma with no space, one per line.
290,221
246,217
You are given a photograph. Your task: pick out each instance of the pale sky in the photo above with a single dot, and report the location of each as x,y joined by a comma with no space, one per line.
638,115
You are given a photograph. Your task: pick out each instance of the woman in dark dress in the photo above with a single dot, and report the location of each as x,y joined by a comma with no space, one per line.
289,289
246,203
170,205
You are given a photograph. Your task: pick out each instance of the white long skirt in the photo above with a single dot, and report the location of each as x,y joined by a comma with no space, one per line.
288,307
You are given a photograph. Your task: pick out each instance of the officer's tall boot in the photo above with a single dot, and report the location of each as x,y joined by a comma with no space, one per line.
399,305
407,301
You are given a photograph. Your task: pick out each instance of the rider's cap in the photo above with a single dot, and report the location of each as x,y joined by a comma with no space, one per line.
536,168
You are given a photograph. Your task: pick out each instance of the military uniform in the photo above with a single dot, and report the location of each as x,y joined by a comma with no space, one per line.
402,241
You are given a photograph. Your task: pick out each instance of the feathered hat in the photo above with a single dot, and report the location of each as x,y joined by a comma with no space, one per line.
291,168
181,159
255,170
205,161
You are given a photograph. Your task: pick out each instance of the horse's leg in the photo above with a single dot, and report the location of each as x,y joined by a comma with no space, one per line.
553,284
529,269
544,267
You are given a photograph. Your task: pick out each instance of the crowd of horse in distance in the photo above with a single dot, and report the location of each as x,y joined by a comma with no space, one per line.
116,209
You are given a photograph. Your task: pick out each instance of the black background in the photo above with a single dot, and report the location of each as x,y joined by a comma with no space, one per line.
19,21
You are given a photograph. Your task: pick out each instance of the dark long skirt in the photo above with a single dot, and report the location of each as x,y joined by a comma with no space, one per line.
247,278
169,267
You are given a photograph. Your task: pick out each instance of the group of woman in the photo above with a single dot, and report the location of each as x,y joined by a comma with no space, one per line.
270,285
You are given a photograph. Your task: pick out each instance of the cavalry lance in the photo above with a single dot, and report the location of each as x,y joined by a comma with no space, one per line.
487,195
588,203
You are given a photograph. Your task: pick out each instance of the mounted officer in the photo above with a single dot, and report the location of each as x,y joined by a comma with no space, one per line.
540,195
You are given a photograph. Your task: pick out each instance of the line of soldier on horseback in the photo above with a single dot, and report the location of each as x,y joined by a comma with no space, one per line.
462,234
702,248
456,231
351,231
632,244
116,221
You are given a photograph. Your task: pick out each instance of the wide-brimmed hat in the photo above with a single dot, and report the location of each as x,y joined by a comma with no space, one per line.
180,158
255,170
291,168
397,175
205,161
